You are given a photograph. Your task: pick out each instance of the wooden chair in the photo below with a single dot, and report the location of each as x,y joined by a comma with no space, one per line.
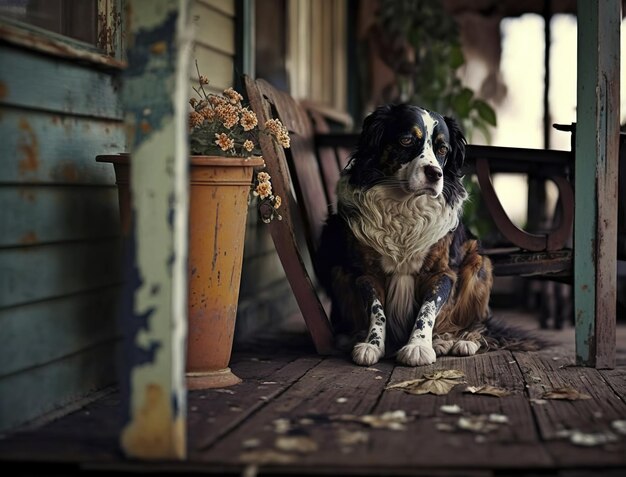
306,174
297,179
330,160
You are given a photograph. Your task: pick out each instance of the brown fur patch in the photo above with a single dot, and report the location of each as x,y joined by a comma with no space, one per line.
468,305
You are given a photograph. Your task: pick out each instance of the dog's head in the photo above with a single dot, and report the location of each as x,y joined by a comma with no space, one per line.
408,148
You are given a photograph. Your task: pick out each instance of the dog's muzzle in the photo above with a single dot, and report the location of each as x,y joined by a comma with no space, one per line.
433,174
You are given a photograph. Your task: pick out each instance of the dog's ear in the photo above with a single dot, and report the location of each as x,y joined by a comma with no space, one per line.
457,142
373,130
370,147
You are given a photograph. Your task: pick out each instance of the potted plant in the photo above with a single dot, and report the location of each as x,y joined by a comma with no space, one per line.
224,148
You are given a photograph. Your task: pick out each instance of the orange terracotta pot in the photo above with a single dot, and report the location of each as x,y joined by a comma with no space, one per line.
218,207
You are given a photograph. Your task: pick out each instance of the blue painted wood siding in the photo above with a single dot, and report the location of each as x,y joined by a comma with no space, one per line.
59,232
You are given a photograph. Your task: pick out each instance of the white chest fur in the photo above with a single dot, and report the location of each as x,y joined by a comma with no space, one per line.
402,231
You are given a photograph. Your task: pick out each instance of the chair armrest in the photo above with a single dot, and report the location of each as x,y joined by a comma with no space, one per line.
553,165
539,162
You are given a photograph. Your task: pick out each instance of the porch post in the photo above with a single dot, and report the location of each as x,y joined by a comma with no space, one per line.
597,149
155,295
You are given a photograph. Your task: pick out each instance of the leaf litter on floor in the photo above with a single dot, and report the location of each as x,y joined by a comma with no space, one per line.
565,392
439,383
488,390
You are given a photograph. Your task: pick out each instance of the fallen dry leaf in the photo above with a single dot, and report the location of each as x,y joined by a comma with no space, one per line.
350,438
478,424
265,457
481,424
619,426
446,374
591,439
251,443
224,391
488,390
498,418
282,426
394,420
301,444
565,392
439,383
450,409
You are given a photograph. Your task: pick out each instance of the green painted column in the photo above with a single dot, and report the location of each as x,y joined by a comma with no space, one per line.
597,150
154,314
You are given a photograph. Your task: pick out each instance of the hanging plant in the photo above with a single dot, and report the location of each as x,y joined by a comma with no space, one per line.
432,81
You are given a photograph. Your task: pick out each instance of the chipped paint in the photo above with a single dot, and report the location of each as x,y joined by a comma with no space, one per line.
28,147
158,48
597,150
154,93
4,90
110,28
69,172
29,238
150,433
145,127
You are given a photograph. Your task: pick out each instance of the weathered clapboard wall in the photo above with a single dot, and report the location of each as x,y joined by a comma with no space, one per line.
60,247
59,231
265,296
214,45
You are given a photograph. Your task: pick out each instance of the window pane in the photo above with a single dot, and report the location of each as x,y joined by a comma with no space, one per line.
73,18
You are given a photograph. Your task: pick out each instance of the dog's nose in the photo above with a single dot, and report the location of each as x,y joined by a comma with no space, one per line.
433,173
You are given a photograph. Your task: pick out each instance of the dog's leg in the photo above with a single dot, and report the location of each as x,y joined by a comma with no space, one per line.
465,348
442,345
419,350
372,349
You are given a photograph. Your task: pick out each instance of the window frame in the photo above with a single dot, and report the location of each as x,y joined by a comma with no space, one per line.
110,52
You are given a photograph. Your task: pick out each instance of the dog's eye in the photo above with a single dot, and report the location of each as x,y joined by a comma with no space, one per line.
443,150
406,140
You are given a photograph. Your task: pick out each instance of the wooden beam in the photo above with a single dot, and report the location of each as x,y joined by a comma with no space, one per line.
155,297
597,150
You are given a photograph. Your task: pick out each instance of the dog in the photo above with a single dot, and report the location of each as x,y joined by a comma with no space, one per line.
402,272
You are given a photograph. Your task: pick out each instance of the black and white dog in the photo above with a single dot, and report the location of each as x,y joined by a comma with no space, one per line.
402,272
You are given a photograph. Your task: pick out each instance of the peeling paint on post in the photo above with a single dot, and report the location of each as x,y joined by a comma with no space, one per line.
597,151
155,297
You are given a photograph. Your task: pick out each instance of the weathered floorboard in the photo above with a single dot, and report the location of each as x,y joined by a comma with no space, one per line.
500,448
224,409
312,398
332,388
556,418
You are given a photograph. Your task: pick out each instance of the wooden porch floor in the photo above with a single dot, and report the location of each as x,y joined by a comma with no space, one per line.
297,413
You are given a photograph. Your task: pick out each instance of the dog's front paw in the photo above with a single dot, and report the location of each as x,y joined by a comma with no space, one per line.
416,355
442,347
464,348
366,354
